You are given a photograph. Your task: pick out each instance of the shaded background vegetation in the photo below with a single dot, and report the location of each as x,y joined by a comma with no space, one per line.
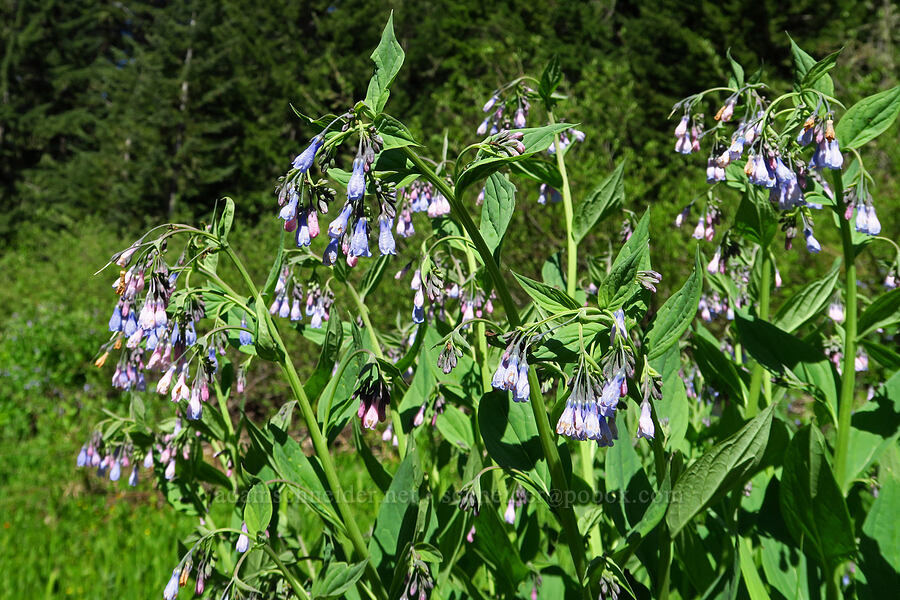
115,116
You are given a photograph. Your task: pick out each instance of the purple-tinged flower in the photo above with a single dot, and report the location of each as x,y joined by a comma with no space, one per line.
727,111
523,388
305,159
337,227
836,311
682,128
683,145
131,325
812,244
736,149
171,591
862,218
245,338
115,321
82,459
359,242
699,230
679,219
243,542
148,459
195,409
418,313
519,120
713,266
289,210
303,238
645,423
831,156
284,311
386,244
170,470
331,252
133,478
861,362
296,311
482,129
420,416
490,103
115,472
356,187
190,334
510,515
874,223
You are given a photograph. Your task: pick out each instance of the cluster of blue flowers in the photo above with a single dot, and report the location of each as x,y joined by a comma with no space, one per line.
289,302
512,372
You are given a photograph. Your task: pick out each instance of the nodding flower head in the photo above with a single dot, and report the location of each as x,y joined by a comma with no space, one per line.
812,244
373,395
331,252
289,210
727,111
645,423
245,338
356,187
243,541
305,159
682,128
303,237
618,328
359,243
171,591
683,145
337,227
490,103
386,244
831,155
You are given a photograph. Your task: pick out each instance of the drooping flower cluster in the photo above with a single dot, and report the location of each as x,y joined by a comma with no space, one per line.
374,396
566,138
590,412
289,301
776,165
506,109
419,583
418,197
512,372
111,458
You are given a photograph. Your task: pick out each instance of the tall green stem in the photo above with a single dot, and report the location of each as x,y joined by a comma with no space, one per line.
759,378
565,511
848,376
376,348
320,444
571,246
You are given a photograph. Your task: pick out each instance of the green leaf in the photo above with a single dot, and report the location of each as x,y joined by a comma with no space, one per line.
510,434
373,275
755,587
331,346
536,139
552,272
388,58
225,220
338,578
604,200
803,63
266,346
550,79
811,502
621,282
819,70
375,468
868,118
563,343
736,69
716,366
499,203
807,302
304,473
787,356
675,316
881,523
549,298
884,311
274,271
538,169
394,527
756,220
883,355
724,467
258,509
455,426
393,133
875,427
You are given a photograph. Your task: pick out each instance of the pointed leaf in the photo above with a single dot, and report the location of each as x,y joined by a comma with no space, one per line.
388,58
604,200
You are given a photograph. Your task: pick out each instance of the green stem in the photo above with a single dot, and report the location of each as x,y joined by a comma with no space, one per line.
571,246
759,378
319,442
848,377
295,585
376,348
565,512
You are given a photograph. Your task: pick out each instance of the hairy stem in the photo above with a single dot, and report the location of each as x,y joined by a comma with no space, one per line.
571,246
565,511
848,377
319,442
759,378
295,585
